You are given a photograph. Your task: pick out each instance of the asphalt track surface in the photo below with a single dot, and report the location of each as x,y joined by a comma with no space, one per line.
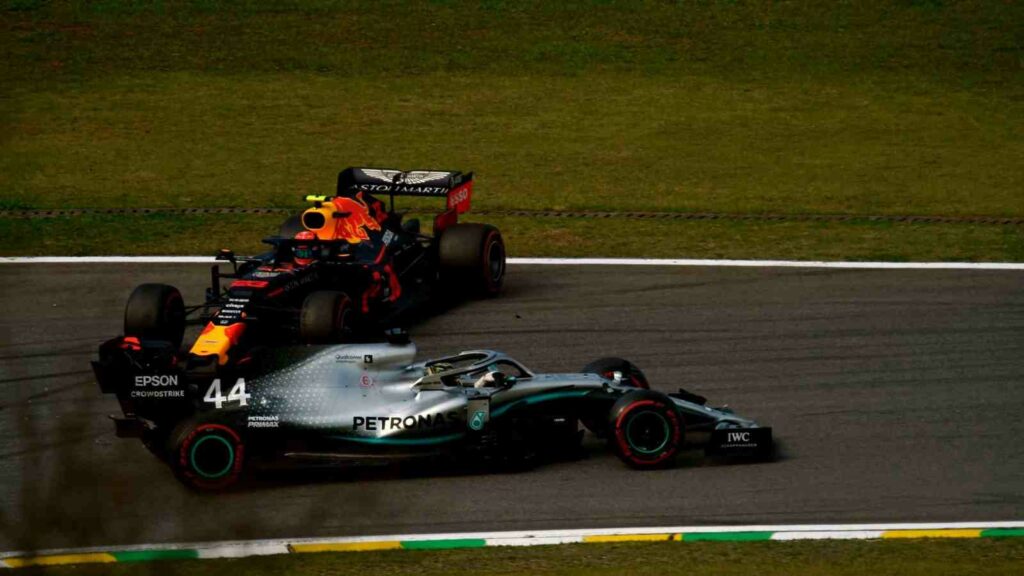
896,396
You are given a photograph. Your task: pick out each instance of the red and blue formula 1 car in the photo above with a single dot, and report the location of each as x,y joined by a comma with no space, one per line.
346,266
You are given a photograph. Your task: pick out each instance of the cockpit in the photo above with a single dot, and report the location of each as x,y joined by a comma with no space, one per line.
477,369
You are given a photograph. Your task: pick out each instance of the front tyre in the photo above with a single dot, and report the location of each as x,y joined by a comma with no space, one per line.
607,367
646,429
327,316
472,259
155,312
206,456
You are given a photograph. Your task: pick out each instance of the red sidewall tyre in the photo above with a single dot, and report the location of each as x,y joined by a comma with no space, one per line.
471,259
209,457
493,265
647,430
155,312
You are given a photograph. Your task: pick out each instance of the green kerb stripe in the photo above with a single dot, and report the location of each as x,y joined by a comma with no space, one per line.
1002,532
726,536
147,555
443,544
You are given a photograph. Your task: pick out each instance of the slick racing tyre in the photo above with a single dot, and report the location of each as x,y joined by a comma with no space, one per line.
326,317
472,259
646,429
607,367
206,456
155,312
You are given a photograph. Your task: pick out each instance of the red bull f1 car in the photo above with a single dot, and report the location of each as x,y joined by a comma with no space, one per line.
347,265
352,404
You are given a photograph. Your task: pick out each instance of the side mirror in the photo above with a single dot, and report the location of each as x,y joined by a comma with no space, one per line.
225,254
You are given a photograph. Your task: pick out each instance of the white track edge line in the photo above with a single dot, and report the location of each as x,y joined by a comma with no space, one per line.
533,536
829,535
569,262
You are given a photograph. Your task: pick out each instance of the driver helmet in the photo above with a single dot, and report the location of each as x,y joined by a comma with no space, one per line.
489,379
301,252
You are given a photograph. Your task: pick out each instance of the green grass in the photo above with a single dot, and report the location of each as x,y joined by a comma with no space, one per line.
904,558
606,142
910,108
553,237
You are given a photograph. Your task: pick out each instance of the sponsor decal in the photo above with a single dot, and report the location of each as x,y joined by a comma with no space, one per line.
301,281
143,394
480,408
156,380
739,440
477,423
389,188
458,199
353,228
232,311
388,237
273,421
457,196
382,175
366,381
353,358
264,274
738,437
417,422
399,177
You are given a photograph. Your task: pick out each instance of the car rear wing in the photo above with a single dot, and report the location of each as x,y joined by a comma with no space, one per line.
455,186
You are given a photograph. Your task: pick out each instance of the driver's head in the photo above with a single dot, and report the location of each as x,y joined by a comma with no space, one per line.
302,253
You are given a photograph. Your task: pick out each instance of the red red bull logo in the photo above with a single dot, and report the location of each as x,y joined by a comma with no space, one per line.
342,219
353,227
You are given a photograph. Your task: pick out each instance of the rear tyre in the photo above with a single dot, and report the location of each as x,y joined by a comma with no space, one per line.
326,317
472,259
206,456
607,367
155,312
646,429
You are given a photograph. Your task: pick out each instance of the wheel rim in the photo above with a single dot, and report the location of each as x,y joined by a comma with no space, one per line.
648,432
215,459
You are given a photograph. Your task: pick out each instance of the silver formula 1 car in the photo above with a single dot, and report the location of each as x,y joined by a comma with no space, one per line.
360,403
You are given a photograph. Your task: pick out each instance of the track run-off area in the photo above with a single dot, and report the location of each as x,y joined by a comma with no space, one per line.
894,390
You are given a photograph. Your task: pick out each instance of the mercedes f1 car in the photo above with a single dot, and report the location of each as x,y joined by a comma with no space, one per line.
344,266
363,403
